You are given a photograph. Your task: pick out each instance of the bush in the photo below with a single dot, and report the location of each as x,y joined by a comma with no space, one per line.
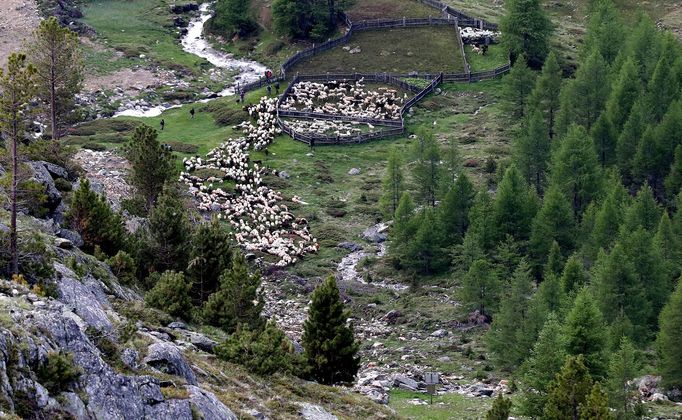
123,266
49,151
274,47
181,147
262,353
229,116
58,372
63,185
171,294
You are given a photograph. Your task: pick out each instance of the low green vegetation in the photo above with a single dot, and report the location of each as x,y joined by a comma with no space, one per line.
400,50
416,405
389,9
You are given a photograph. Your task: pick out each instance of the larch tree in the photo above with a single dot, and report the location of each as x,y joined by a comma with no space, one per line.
554,223
427,171
625,91
59,68
17,88
545,95
532,151
454,209
514,207
623,368
393,185
329,345
526,31
480,288
669,341
596,405
583,333
574,276
209,256
605,31
517,88
569,390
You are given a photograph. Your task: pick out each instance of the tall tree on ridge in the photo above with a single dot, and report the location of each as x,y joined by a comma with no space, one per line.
526,30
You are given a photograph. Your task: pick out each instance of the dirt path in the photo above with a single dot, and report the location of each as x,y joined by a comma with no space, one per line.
18,18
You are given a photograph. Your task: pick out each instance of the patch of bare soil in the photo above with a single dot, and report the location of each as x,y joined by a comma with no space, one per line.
129,80
18,19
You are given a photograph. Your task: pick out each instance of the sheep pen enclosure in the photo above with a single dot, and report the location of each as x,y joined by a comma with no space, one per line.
428,49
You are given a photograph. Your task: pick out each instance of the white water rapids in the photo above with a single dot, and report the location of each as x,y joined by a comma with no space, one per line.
194,43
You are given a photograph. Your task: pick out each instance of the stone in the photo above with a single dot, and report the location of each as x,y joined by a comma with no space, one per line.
130,357
55,171
405,383
354,171
444,359
72,236
73,405
42,176
167,358
177,325
284,175
376,233
351,246
439,333
315,412
63,243
209,405
657,397
392,317
85,296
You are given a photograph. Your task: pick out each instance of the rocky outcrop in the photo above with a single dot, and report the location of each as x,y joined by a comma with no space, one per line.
209,407
167,358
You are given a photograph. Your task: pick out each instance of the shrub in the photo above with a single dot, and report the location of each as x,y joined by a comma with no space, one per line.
58,372
229,116
274,47
123,266
262,353
171,294
181,147
62,185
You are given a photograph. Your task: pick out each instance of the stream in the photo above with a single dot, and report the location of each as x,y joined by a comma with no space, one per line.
194,43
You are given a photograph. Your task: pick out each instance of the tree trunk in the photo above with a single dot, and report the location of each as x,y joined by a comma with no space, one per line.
13,196
53,103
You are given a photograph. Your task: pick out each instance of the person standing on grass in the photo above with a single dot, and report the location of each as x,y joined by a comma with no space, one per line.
277,88
241,95
191,112
163,124
269,89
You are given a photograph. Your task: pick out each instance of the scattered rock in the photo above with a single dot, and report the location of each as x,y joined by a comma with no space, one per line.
72,236
376,233
439,333
63,243
351,246
315,412
167,358
130,357
354,171
209,405
405,383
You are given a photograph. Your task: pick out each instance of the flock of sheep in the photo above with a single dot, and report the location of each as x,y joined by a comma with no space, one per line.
477,36
345,98
259,220
328,127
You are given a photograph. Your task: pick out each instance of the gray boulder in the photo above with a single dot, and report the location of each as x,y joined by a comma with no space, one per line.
41,175
63,243
376,233
315,412
405,383
351,246
85,296
209,405
171,409
167,358
72,236
130,357
55,171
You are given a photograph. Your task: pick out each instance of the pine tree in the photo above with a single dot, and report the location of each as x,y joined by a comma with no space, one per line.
57,58
91,216
163,245
452,166
427,171
617,288
596,405
584,98
553,223
625,91
604,137
532,151
237,301
644,212
517,88
539,370
575,169
500,409
663,88
526,31
392,185
454,209
210,254
171,294
151,164
514,207
555,261
670,245
545,95
573,277
403,229
623,368
628,141
480,288
17,85
669,341
328,342
607,220
569,390
506,338
673,182
424,252
583,333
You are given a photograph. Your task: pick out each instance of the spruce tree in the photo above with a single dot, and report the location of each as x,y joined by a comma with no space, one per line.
328,342
555,261
507,338
673,182
526,30
403,229
480,288
514,207
453,211
392,185
424,252
664,86
500,409
210,254
669,341
584,333
575,169
427,171
238,301
625,91
151,164
623,368
539,370
670,245
517,88
532,151
569,390
596,405
171,294
604,137
628,141
605,31
17,85
644,212
553,223
607,220
57,58
545,95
